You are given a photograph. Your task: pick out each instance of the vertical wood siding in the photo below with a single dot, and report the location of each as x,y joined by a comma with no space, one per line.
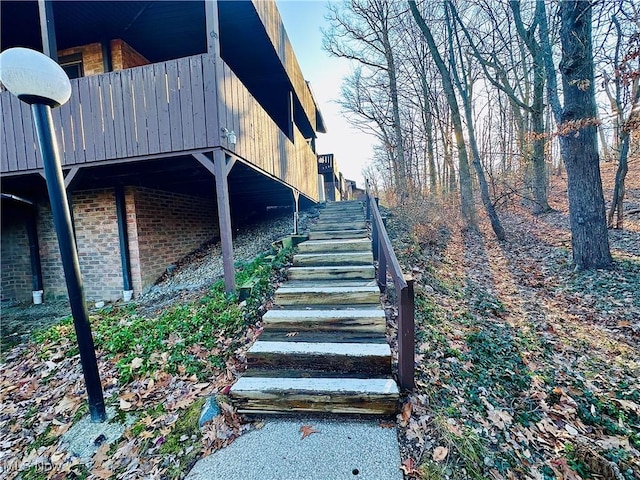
260,140
161,108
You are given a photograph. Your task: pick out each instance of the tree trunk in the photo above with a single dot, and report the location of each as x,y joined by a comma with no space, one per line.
617,203
466,188
589,238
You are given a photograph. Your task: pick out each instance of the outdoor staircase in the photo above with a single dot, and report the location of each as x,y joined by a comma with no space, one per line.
323,348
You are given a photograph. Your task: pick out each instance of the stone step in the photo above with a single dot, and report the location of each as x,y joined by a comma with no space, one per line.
327,259
344,295
348,320
373,396
340,245
337,234
364,358
270,334
344,225
338,272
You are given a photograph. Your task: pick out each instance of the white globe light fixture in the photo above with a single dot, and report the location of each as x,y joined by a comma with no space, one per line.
39,81
33,77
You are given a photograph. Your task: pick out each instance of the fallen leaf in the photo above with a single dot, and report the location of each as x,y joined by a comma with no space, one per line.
408,466
307,430
124,405
406,412
440,453
385,424
292,334
136,363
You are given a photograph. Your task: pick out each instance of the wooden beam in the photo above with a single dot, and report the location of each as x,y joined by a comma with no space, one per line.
70,176
213,27
48,29
224,219
206,162
296,210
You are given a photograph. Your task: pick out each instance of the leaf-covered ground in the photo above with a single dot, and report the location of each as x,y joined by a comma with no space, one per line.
527,369
156,370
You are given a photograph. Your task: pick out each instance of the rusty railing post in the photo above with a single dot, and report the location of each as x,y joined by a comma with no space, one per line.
406,337
382,266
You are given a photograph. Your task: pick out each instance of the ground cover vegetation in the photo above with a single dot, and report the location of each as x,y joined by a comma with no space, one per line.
526,368
156,368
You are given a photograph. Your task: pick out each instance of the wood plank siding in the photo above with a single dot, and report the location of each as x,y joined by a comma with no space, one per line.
272,21
162,108
260,140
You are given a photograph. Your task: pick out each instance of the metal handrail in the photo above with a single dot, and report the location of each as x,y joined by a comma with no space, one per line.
383,252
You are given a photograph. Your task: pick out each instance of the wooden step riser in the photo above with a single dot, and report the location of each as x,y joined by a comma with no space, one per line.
323,259
337,226
323,334
311,402
335,235
260,373
335,325
366,365
363,245
318,298
343,217
315,395
353,317
366,272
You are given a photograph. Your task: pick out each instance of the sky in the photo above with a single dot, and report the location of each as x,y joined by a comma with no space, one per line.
303,20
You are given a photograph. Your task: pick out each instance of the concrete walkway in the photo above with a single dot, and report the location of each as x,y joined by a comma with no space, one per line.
340,450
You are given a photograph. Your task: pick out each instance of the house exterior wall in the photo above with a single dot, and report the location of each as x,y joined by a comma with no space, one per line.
168,227
92,63
162,226
16,267
124,56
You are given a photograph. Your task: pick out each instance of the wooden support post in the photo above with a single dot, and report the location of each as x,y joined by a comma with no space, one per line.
213,27
224,218
296,209
290,122
48,29
382,265
406,337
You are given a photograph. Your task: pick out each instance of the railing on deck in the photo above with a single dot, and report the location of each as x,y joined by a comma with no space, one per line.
383,252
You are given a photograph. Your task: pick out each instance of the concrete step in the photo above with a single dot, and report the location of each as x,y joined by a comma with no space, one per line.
373,396
365,358
338,272
337,234
344,295
348,320
343,225
340,245
327,259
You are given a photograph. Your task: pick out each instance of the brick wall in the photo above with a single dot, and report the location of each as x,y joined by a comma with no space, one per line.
92,63
124,56
162,227
169,226
16,266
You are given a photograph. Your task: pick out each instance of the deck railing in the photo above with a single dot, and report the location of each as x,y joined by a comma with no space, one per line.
168,108
388,262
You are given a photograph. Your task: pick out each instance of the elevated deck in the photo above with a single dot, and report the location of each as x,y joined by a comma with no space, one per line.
166,109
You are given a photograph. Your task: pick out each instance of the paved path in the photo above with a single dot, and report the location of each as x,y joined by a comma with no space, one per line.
340,450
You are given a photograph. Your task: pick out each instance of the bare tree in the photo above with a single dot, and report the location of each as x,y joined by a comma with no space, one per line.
625,106
466,188
578,138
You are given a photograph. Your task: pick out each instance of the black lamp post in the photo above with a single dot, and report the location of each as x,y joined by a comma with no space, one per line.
39,81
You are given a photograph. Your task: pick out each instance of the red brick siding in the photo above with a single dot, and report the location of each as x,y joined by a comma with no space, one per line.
15,283
92,63
124,56
163,227
169,226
